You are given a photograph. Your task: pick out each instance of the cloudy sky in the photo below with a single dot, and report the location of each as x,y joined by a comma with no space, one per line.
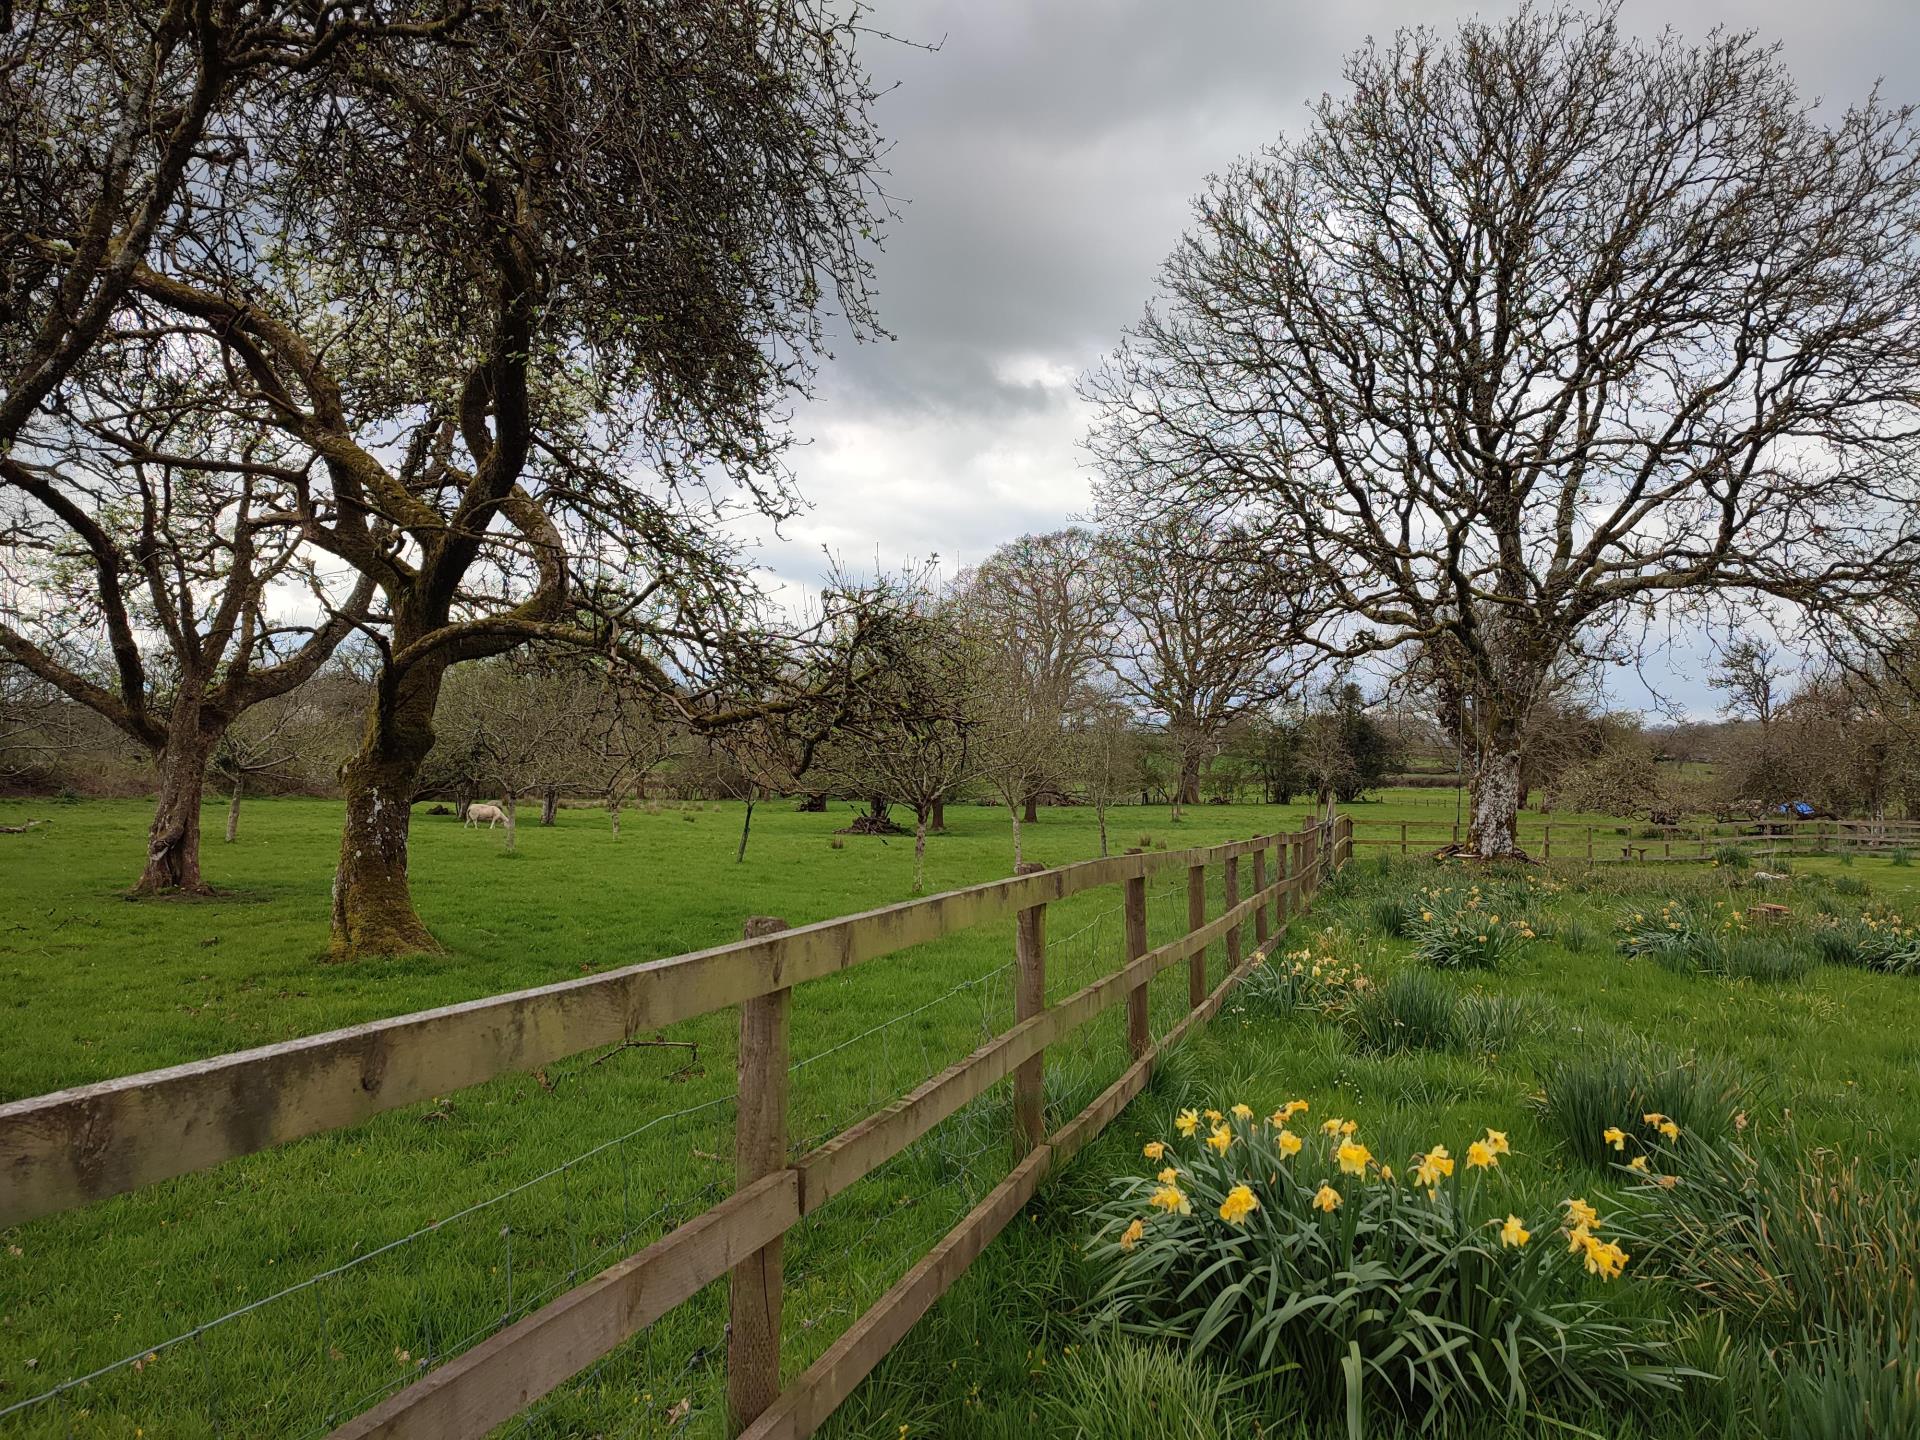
1046,155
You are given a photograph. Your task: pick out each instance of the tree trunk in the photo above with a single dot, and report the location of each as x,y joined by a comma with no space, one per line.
1187,791
1031,815
613,814
1014,810
746,829
512,803
233,809
373,910
940,813
549,804
173,840
462,800
1100,810
919,852
1496,799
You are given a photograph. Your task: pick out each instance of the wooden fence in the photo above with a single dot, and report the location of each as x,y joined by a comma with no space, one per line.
1640,842
76,1146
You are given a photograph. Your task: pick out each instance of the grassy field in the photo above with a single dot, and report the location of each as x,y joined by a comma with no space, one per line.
371,1252
568,1169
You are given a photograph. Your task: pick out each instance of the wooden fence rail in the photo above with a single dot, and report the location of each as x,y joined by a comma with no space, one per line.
81,1145
1641,842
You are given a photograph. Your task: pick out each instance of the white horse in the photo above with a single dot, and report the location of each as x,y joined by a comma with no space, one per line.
492,814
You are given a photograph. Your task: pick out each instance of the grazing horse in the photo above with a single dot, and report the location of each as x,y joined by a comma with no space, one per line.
492,814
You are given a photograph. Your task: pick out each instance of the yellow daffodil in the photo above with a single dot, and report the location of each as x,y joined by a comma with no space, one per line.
1328,1199
1153,1149
1220,1139
1288,1143
1480,1156
1214,1117
1238,1205
1330,1127
1242,1112
1578,1239
1347,1127
1605,1259
1615,1136
1666,1182
1386,1173
1130,1236
1497,1142
1514,1233
1168,1175
1187,1122
1653,1117
1353,1158
1638,1162
1172,1199
1669,1129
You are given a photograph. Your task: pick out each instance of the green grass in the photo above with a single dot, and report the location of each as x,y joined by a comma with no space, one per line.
98,986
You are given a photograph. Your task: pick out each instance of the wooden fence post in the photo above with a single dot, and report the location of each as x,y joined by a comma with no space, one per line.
1139,1033
1029,999
1260,910
759,1148
1196,917
1233,899
1403,837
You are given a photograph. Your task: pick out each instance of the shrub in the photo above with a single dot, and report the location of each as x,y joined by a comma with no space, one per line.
1128,1391
1394,1296
1584,1094
1411,1010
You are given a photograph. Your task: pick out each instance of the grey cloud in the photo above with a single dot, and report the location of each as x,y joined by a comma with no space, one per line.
1046,156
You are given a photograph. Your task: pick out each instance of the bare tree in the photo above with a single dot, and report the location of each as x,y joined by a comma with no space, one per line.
1533,332
913,743
143,540
1045,604
1201,634
1751,674
534,281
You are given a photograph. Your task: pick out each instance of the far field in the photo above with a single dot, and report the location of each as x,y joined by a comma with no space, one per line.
97,986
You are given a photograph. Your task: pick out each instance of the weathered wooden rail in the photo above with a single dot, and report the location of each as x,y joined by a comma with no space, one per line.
77,1146
1638,841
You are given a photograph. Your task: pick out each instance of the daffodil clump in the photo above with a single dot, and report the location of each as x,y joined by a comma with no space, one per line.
1880,940
1474,929
1713,938
1303,979
1285,1237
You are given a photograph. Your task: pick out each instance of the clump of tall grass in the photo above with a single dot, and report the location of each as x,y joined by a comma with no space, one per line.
1586,1093
1414,1010
1733,857
1117,1389
1411,1010
1797,1245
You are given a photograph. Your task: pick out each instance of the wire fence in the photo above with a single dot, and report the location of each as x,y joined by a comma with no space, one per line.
306,1354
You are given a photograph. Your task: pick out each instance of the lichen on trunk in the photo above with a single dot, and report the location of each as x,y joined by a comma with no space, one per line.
1496,803
373,911
173,840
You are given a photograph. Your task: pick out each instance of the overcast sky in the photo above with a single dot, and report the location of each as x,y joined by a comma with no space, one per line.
1046,156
